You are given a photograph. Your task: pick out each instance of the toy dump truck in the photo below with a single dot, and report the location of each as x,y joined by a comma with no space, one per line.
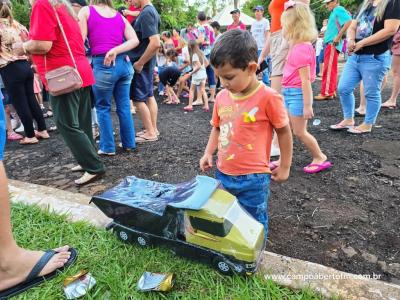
197,219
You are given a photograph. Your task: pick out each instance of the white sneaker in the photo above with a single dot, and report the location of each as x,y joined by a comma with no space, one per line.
101,152
20,129
275,151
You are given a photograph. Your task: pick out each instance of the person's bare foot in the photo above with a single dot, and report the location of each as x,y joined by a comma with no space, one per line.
319,160
361,110
389,104
42,134
15,267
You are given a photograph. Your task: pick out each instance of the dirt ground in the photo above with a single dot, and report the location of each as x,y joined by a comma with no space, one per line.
347,218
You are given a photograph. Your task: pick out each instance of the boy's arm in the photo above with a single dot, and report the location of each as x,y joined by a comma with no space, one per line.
285,140
206,162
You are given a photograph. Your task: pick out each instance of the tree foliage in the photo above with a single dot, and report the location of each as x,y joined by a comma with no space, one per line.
317,6
178,13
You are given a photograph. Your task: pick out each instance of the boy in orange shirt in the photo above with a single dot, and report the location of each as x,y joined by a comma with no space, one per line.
244,115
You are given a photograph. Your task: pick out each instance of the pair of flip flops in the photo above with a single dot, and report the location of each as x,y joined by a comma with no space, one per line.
33,280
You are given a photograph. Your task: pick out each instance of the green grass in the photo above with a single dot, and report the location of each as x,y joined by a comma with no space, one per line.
117,266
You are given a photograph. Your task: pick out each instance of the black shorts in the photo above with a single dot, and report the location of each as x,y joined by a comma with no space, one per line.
170,75
142,85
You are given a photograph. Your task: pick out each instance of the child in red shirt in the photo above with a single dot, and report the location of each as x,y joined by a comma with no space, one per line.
245,113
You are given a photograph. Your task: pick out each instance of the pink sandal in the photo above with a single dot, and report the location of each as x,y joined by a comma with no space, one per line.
188,108
273,165
14,136
315,168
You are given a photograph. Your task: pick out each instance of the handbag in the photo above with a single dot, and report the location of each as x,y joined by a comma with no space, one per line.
64,79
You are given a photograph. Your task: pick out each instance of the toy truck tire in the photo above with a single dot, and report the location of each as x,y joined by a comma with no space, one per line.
123,235
142,240
222,265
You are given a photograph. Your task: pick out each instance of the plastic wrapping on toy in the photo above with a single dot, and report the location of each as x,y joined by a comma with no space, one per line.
198,219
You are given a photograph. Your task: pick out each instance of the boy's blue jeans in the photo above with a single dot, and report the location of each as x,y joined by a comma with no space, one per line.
371,69
114,81
252,191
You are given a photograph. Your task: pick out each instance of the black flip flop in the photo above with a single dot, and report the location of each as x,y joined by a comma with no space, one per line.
33,280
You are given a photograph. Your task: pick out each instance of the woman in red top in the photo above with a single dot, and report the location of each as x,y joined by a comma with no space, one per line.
72,111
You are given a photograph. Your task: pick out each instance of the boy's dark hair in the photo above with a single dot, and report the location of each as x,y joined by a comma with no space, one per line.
201,16
216,25
235,47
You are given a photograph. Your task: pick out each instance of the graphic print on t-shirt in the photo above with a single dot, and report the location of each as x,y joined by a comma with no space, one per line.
366,23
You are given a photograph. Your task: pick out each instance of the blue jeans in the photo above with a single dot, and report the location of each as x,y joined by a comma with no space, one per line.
3,130
114,81
371,69
266,72
252,191
160,84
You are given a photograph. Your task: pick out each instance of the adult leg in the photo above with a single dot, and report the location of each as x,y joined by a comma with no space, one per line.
85,114
153,109
66,116
122,101
102,90
15,262
361,107
14,81
373,71
349,79
329,76
34,106
391,102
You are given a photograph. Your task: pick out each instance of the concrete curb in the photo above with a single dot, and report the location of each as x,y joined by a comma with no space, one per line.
286,271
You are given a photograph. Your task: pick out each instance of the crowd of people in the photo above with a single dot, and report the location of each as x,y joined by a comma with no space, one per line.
266,74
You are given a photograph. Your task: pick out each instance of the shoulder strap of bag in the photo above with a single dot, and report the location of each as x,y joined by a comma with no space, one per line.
65,39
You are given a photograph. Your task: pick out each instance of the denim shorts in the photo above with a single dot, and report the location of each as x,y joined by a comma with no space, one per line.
293,101
142,85
252,191
2,131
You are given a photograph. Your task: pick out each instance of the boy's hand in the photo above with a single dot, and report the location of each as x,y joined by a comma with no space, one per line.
308,112
280,174
206,162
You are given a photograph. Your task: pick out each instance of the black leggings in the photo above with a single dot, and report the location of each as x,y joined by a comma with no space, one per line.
18,81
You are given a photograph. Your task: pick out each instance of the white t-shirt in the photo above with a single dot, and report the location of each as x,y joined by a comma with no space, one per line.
258,29
201,74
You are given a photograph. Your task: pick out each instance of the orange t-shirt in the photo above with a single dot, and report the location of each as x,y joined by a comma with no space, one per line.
276,8
245,129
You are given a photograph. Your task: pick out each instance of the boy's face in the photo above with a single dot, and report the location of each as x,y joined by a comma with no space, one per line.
236,80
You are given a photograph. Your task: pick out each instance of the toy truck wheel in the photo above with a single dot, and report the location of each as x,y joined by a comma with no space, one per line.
142,241
123,235
222,266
